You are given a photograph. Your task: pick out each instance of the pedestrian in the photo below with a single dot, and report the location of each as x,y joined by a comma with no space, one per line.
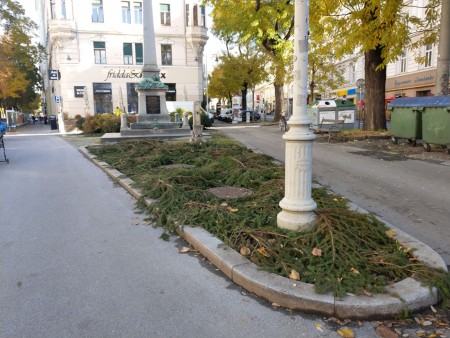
118,111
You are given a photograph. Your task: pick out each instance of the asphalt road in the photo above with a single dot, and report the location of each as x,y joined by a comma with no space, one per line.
413,195
78,260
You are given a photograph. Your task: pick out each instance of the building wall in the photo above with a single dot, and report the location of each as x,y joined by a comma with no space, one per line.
70,45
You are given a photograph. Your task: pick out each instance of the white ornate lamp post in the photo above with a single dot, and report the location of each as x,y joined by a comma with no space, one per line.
297,205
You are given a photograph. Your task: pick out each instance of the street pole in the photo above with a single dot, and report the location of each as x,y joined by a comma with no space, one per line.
297,205
443,62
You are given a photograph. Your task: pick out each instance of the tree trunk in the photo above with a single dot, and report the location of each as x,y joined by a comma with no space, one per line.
278,101
375,87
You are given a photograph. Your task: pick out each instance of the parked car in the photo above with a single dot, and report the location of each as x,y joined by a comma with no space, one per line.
226,115
254,116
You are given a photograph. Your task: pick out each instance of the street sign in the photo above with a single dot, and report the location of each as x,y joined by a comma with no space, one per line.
57,99
54,74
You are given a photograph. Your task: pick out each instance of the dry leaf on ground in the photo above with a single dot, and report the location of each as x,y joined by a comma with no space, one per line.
245,251
263,252
346,332
294,275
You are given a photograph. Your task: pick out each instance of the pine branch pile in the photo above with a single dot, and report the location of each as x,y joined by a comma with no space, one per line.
345,253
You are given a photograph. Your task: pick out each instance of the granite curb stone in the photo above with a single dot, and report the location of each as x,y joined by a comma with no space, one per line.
406,295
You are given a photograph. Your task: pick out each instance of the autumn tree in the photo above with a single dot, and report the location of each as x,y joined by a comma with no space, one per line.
19,56
238,72
380,30
270,24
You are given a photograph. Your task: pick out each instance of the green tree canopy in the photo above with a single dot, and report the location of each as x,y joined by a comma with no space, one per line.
269,24
19,57
380,30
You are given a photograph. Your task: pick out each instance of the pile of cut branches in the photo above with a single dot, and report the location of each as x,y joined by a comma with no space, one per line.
346,252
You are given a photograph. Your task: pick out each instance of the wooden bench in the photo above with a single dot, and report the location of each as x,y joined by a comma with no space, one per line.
329,126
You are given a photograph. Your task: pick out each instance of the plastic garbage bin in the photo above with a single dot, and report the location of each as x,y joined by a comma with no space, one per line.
332,110
436,122
406,118
53,124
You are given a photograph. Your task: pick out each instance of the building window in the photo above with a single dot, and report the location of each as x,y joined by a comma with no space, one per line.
428,55
352,73
165,14
126,14
137,8
99,52
166,55
127,54
132,98
195,12
403,62
202,16
171,93
53,9
102,98
63,9
139,53
97,11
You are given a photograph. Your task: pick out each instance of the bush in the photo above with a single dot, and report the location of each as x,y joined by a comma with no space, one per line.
101,123
79,122
205,121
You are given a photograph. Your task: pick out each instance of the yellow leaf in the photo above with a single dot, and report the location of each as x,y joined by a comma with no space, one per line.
354,271
245,251
367,293
232,209
185,249
391,233
294,275
316,252
319,327
263,252
420,333
346,333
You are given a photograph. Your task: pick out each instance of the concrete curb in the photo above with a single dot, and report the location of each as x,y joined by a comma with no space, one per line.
406,295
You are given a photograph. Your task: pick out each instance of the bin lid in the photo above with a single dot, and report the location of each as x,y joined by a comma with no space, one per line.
324,104
425,101
344,103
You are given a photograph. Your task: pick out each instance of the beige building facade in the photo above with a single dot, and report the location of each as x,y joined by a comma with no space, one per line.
95,53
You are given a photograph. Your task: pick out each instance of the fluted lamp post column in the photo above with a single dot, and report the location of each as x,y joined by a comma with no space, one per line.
297,205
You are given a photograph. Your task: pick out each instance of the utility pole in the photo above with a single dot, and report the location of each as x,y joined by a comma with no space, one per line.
443,62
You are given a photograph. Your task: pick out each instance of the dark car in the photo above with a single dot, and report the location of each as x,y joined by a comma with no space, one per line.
254,116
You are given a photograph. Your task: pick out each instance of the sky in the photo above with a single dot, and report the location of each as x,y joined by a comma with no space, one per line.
29,6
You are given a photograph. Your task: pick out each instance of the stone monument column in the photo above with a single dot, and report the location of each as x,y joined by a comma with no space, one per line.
151,91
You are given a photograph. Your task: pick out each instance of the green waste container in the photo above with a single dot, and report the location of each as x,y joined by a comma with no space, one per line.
406,119
436,122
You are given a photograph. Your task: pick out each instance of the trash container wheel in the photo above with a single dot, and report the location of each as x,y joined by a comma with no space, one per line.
394,139
427,147
412,141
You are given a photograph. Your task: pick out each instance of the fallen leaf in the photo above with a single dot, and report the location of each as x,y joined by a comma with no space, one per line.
367,293
244,251
263,252
391,233
319,327
232,210
339,279
433,309
316,252
354,271
185,249
433,335
427,323
294,275
346,333
420,333
385,332
275,306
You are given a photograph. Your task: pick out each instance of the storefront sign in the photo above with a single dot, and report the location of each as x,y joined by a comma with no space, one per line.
123,74
78,91
425,78
54,74
102,88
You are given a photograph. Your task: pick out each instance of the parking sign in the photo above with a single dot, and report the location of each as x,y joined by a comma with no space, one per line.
57,99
